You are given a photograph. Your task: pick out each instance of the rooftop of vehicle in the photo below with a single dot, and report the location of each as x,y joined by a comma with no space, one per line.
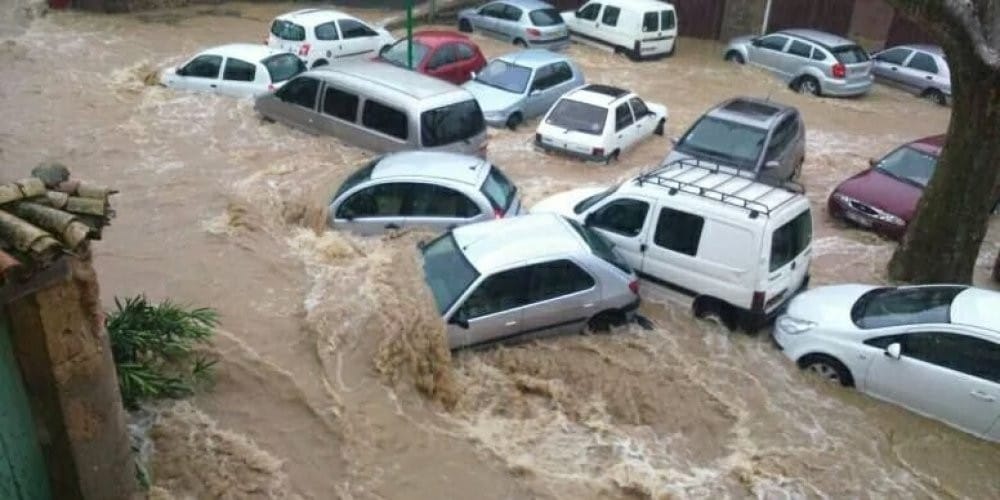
311,17
750,111
597,95
529,4
978,308
247,51
533,58
433,38
499,244
931,144
829,40
400,80
925,47
433,165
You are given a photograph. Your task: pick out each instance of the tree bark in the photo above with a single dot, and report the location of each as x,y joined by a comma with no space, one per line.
944,239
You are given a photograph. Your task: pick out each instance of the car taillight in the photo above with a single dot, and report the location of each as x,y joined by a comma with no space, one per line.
534,32
304,49
634,286
497,213
758,301
598,152
839,70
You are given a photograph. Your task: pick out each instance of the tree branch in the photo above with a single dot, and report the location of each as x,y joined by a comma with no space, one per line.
981,24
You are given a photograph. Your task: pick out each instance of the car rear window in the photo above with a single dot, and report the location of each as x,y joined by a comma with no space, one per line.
447,271
578,116
545,17
361,175
287,30
887,307
281,67
600,246
499,190
790,240
449,124
850,54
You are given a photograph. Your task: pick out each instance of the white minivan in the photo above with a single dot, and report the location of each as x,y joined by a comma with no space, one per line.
738,248
641,29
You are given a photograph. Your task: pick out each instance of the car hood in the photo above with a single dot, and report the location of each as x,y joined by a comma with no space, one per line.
828,306
491,99
563,203
883,192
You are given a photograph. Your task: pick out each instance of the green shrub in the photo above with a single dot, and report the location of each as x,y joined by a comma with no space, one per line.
155,348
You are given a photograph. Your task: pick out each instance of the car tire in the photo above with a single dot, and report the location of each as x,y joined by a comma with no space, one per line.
735,57
705,307
465,26
673,48
320,63
807,85
935,96
828,368
612,158
514,120
520,43
604,320
660,128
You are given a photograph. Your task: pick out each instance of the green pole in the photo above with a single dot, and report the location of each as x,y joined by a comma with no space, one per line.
409,34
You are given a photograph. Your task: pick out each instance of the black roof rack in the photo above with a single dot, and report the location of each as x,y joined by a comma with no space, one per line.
607,90
666,176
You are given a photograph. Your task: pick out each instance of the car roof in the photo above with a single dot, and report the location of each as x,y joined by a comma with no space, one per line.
644,4
247,51
496,245
314,16
401,81
931,144
925,47
828,40
533,58
435,38
751,111
453,167
598,95
978,308
529,4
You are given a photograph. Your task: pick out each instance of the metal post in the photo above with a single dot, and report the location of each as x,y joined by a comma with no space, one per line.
409,34
767,18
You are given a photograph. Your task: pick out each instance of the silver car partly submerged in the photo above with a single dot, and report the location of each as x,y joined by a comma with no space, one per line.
525,23
528,276
921,70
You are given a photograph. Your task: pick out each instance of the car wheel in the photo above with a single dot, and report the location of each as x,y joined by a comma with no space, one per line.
673,48
603,321
807,85
659,130
514,120
735,57
708,307
320,63
465,26
828,368
520,43
612,158
936,96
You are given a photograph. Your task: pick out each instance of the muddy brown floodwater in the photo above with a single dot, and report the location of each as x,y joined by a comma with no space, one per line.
335,381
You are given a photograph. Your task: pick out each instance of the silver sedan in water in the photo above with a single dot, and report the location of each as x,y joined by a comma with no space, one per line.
526,23
919,69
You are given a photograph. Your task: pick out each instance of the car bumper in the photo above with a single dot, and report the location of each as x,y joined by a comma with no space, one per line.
756,320
857,218
841,88
497,121
553,44
572,154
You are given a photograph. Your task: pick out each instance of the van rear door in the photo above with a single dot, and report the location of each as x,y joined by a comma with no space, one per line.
789,250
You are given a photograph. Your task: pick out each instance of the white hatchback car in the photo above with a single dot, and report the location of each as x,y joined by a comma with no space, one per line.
598,122
321,36
934,349
237,70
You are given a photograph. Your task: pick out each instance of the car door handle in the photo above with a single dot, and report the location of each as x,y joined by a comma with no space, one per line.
588,305
928,77
510,323
982,396
894,68
392,226
213,85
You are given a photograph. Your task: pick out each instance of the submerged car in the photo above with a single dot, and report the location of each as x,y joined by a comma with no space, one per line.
443,54
810,61
237,70
919,69
438,191
525,23
934,349
765,138
520,86
599,122
517,278
323,36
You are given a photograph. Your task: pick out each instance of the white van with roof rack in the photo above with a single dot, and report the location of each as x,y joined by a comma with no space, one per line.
322,36
641,29
738,248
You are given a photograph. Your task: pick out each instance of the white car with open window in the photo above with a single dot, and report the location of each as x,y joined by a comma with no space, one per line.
934,349
599,122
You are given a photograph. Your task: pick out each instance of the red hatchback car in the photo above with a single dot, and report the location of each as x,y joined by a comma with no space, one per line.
884,197
446,55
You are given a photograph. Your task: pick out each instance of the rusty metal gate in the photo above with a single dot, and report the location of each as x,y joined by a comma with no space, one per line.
833,16
700,18
22,468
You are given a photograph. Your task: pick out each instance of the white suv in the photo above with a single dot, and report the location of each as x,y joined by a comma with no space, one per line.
598,122
738,247
321,36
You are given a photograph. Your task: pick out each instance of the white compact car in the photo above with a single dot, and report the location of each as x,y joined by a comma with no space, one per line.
641,29
598,122
238,70
934,349
322,36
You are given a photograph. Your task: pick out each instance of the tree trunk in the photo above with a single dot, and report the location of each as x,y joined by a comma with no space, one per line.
944,239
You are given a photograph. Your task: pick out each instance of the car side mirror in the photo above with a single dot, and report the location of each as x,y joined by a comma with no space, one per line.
872,162
772,164
472,75
894,350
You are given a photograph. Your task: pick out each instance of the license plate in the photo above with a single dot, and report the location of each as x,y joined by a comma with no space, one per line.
857,219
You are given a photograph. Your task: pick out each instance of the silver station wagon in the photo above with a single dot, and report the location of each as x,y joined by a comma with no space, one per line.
525,23
528,276
918,69
810,61
417,189
380,107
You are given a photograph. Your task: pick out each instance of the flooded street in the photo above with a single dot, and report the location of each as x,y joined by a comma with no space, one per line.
335,380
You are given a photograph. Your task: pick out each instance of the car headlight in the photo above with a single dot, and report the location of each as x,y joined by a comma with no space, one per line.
887,217
794,326
869,211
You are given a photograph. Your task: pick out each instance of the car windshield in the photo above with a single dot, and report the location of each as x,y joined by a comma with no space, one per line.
361,175
505,76
909,165
601,247
545,17
499,190
281,67
850,54
447,272
287,30
578,116
398,53
887,307
593,199
724,141
449,124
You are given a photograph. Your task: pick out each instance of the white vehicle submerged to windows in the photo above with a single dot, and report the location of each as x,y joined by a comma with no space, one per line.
322,36
236,70
934,349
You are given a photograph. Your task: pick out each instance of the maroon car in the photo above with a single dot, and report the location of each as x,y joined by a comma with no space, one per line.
447,55
884,197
